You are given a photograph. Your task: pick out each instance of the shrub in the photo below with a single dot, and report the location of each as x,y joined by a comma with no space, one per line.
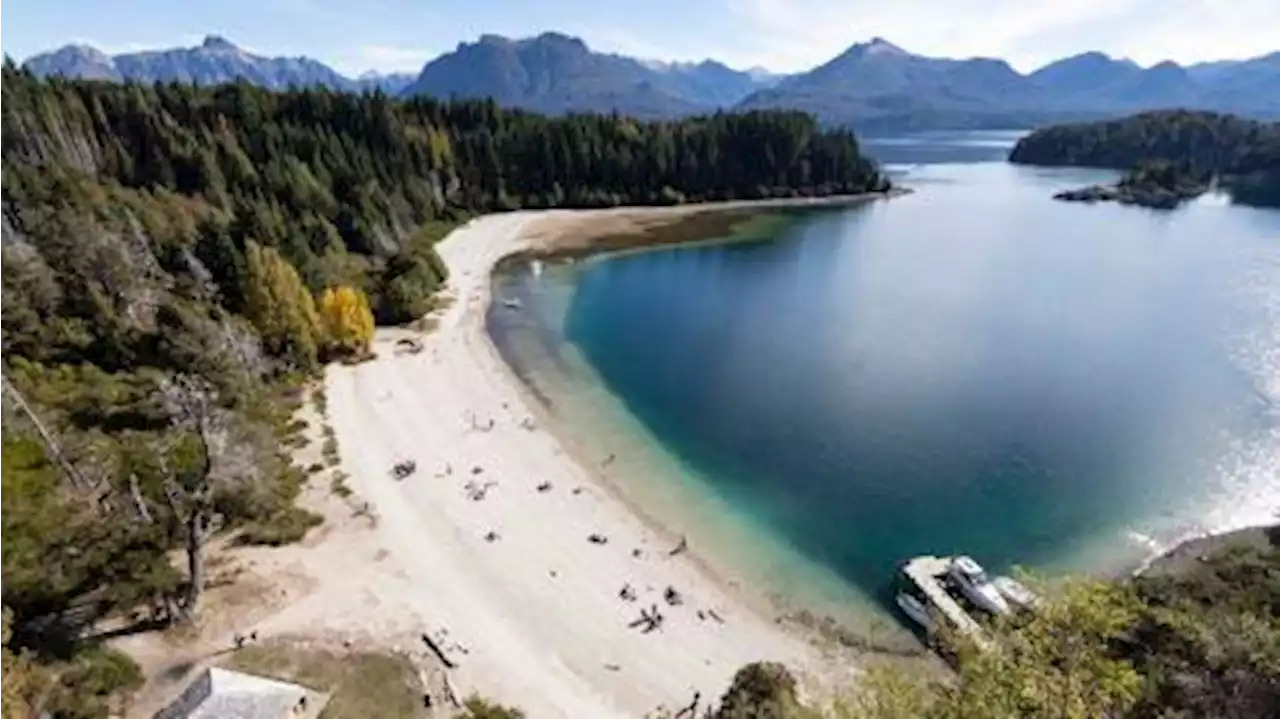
286,526
476,707
86,685
761,690
339,485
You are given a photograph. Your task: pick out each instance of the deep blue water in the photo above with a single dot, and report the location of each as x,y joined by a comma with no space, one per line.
972,368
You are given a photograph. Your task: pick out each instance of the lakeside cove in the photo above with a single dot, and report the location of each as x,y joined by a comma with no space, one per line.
614,344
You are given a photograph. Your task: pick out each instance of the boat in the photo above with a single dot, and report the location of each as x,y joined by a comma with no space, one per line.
972,581
1016,593
512,303
915,609
911,600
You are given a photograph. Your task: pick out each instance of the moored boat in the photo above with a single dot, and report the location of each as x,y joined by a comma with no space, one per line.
1016,593
976,586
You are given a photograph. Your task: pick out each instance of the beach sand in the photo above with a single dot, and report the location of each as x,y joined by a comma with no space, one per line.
513,575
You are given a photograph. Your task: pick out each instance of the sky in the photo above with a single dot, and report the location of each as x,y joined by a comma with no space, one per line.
781,35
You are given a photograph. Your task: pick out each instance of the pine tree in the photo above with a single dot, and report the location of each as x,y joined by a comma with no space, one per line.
280,307
346,321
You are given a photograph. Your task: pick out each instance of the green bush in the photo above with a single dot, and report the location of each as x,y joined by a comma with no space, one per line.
338,485
409,286
476,707
761,690
287,526
86,686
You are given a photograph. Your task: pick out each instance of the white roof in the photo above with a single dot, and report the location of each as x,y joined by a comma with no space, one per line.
234,695
967,565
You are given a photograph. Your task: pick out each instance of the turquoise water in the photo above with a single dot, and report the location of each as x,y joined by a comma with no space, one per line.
972,368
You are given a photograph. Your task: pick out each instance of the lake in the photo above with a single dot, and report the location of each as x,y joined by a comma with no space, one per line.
973,368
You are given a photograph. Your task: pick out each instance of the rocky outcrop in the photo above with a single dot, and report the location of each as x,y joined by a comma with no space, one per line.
1153,196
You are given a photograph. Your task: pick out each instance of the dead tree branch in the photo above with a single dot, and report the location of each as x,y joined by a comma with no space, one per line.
50,442
192,407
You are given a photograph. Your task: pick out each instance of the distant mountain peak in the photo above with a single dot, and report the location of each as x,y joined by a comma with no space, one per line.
219,43
554,72
84,51
559,38
880,46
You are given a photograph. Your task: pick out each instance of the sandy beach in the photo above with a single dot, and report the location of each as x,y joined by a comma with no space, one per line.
505,538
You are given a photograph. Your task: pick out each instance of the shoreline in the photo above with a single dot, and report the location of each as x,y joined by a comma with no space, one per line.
1192,547
620,229
839,613
508,535
572,237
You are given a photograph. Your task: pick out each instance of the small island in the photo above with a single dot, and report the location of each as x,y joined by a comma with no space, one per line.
1169,156
1157,184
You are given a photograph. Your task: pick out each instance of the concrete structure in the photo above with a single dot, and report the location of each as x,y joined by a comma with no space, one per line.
224,694
929,574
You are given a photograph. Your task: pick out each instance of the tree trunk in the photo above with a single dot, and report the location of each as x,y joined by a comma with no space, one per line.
139,504
195,558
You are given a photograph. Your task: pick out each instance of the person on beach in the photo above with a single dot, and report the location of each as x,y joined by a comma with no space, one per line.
680,548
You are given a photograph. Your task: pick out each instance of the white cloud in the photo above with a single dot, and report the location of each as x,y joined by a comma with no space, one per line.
1196,30
388,58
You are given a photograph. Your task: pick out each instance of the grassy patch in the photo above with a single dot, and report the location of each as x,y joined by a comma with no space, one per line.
360,685
320,399
477,707
286,526
338,485
329,450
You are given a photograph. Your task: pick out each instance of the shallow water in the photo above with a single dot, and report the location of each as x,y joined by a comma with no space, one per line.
972,368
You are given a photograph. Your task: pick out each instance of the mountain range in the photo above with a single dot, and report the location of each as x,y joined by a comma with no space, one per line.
216,60
555,73
871,86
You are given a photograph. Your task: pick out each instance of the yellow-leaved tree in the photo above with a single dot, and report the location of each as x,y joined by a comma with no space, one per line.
280,307
346,321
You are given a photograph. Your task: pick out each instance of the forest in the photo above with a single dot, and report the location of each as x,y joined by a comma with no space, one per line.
1245,154
179,262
